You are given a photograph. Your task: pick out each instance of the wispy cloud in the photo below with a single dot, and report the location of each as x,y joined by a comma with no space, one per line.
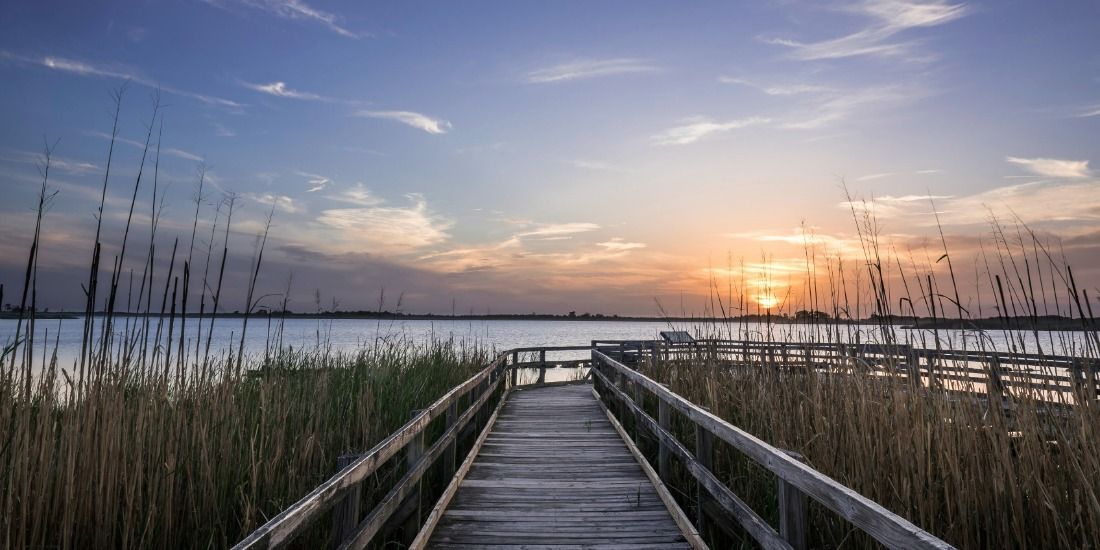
222,130
882,175
590,68
86,69
697,128
618,244
1090,111
175,152
282,203
595,165
558,230
293,10
414,119
280,89
1053,168
888,18
69,166
317,182
387,229
358,195
777,89
832,108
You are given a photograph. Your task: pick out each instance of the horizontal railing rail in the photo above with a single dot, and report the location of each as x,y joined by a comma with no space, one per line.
888,528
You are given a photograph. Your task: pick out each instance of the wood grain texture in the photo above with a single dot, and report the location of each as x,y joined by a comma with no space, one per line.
554,473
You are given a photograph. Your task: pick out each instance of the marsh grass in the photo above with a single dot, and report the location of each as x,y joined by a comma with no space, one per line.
974,475
151,438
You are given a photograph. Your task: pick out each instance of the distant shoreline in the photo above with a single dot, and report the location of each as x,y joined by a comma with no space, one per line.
1044,323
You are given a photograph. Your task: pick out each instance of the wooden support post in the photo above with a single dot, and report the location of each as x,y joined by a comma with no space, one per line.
345,516
663,454
449,454
515,357
413,452
793,512
515,376
995,387
914,368
542,366
638,414
704,454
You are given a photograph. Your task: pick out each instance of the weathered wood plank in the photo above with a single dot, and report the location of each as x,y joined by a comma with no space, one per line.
554,472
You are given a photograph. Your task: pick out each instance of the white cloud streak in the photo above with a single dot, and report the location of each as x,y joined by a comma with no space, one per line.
1053,168
888,19
414,119
777,89
85,69
178,153
282,202
590,68
317,182
292,10
387,229
280,89
617,244
697,128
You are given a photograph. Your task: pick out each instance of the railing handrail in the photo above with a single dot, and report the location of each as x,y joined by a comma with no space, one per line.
887,527
290,522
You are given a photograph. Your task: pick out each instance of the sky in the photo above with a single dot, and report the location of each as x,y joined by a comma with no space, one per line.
510,157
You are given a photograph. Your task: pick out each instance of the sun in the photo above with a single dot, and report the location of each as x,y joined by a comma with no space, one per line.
767,301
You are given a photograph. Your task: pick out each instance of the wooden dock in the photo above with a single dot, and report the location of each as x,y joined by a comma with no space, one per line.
554,472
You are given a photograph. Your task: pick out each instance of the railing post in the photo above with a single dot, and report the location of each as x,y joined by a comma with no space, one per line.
413,452
663,453
449,454
995,387
637,413
704,454
914,368
793,512
542,366
345,516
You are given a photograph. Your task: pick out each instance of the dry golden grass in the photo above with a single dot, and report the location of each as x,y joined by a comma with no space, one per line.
974,475
127,461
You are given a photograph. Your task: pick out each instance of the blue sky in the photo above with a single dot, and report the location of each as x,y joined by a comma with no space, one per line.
553,156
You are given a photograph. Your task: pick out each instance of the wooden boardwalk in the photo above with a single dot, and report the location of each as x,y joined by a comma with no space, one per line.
554,472
552,468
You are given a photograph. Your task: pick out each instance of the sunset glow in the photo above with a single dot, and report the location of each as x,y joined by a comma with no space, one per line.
527,162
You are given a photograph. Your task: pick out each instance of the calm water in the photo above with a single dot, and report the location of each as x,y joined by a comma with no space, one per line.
352,334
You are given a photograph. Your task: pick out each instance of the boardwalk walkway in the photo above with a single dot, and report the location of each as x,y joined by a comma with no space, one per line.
551,468
554,472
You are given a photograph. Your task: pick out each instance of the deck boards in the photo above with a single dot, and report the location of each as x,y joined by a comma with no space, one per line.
554,473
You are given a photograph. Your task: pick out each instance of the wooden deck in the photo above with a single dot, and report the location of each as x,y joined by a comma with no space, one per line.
554,472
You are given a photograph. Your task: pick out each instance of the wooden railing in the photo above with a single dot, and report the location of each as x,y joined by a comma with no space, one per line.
796,480
343,486
1053,378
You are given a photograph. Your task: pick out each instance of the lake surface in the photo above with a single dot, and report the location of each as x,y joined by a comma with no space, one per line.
353,334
